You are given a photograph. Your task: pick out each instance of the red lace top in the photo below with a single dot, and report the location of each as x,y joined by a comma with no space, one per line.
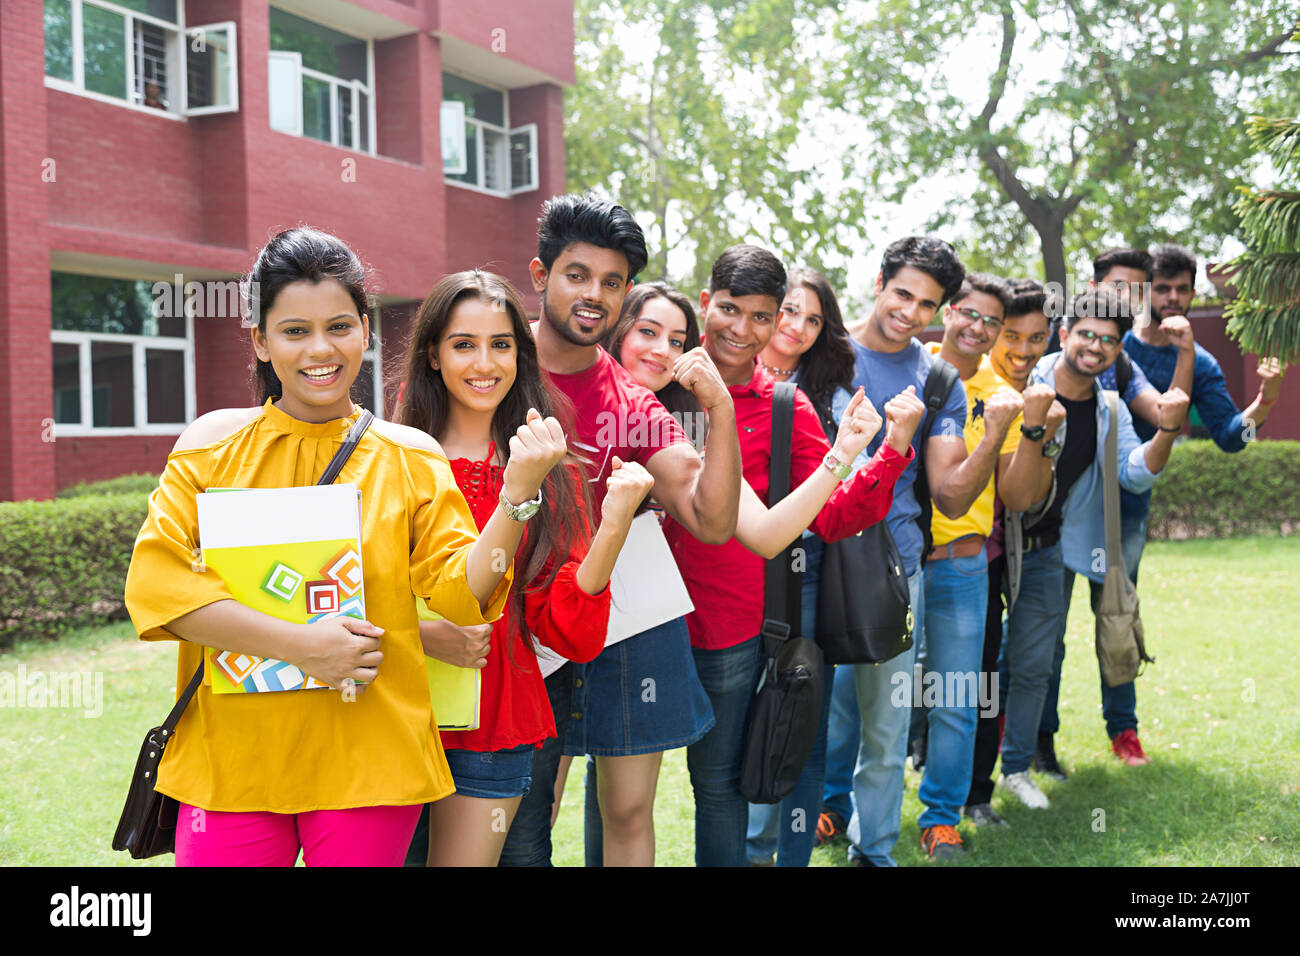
513,707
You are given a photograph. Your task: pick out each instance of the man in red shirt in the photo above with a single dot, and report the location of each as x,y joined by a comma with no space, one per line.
588,251
726,581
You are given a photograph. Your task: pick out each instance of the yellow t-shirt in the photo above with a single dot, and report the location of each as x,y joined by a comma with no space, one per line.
295,751
979,519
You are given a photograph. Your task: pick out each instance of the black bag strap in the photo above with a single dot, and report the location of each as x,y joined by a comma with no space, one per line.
350,442
938,387
1123,372
783,607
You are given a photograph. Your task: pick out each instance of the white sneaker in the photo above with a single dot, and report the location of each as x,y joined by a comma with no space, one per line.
1024,789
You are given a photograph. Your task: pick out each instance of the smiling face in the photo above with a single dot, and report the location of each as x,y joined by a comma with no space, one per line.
477,355
656,339
314,340
1128,283
582,292
971,325
1090,358
736,329
905,304
1020,344
798,324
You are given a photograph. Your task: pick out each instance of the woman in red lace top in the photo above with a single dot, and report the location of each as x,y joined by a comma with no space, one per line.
473,383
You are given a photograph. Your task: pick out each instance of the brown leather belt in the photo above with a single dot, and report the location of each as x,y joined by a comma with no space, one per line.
966,546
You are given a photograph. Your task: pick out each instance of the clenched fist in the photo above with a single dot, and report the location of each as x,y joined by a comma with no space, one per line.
1171,409
1270,373
1000,410
536,448
1055,417
697,373
1179,332
625,488
1038,400
903,414
859,425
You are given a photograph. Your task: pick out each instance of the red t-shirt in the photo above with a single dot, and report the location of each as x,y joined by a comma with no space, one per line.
613,415
726,581
513,706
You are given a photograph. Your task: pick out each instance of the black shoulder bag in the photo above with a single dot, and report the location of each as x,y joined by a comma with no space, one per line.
864,610
148,823
786,710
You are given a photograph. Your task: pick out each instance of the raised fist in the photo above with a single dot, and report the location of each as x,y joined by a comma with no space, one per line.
1270,374
1179,332
859,425
1000,410
903,414
1055,417
1171,409
536,447
697,373
1038,400
625,488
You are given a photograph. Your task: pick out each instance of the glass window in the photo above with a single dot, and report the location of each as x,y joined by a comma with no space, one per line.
210,68
103,36
67,383
112,375
523,155
315,108
58,39
162,9
323,50
117,306
165,386
481,102
332,94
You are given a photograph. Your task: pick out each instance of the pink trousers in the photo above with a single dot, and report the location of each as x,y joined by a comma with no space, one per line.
361,836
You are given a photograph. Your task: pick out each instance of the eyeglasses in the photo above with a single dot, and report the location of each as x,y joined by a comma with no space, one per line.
975,315
1089,336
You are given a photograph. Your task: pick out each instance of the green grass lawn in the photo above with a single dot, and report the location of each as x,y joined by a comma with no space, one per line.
1218,716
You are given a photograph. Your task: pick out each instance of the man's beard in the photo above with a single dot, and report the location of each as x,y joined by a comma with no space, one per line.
570,335
1083,373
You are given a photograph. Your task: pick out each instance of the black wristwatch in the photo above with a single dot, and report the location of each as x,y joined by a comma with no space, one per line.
1052,448
1033,432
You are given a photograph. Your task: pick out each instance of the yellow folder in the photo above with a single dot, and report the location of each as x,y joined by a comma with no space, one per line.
453,691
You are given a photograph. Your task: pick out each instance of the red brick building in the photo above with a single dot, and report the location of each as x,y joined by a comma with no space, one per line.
148,148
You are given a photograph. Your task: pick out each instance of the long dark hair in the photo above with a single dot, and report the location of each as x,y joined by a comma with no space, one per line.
296,255
558,528
828,363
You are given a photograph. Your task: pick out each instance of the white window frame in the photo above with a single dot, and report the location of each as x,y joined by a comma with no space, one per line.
480,154
375,356
178,36
355,89
139,381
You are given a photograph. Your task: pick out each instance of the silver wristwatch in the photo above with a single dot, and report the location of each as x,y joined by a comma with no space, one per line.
521,512
836,467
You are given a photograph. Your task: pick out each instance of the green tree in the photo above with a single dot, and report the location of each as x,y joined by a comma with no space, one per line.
685,111
1265,316
1095,120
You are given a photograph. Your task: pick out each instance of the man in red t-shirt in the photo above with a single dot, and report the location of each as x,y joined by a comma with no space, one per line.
726,581
588,251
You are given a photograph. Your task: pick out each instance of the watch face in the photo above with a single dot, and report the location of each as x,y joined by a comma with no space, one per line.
1052,449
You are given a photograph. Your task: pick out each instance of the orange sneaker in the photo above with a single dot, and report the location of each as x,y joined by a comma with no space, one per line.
941,842
829,825
1128,748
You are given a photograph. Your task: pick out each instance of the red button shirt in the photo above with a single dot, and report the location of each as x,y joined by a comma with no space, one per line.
726,582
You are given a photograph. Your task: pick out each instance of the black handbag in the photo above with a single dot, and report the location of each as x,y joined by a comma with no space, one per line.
147,826
864,609
785,714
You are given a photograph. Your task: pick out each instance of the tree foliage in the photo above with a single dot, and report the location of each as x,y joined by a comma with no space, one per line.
1053,126
1265,316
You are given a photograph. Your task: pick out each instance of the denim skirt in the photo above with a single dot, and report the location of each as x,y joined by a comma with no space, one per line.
640,696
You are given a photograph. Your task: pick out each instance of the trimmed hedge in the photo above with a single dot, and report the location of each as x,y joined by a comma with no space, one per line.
140,483
1206,493
63,563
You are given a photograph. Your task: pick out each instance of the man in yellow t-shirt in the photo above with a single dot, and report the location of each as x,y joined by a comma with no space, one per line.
956,571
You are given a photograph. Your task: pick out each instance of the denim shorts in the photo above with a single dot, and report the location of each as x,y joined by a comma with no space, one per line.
640,696
494,774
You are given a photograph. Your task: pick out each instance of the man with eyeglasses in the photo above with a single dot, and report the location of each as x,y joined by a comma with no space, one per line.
997,436
1090,336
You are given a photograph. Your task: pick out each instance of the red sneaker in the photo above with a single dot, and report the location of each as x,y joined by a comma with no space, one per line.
941,842
1128,748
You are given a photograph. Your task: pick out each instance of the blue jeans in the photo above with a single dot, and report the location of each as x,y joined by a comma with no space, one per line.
956,603
1118,704
789,828
1034,627
529,841
730,677
843,731
884,707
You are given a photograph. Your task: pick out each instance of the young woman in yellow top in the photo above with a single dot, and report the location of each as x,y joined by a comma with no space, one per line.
341,776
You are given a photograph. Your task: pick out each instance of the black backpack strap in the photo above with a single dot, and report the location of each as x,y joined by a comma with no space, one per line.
1123,372
345,450
782,606
938,387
